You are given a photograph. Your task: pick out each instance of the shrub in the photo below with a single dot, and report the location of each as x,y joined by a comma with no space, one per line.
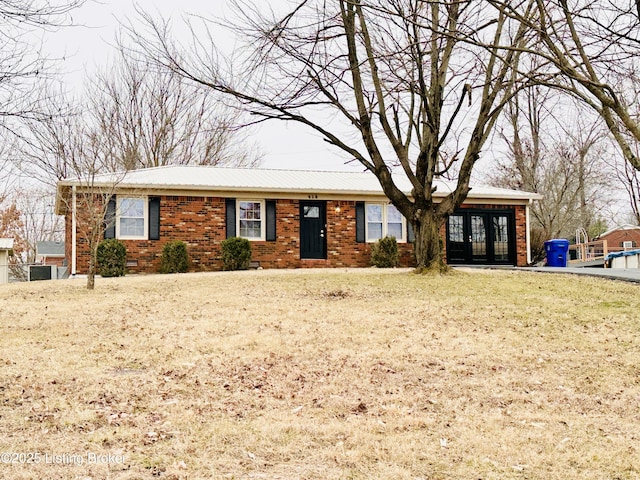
384,253
112,258
174,257
236,253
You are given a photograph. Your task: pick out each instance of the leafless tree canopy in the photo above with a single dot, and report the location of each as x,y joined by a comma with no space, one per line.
629,178
132,118
22,67
57,143
589,49
563,161
156,118
559,159
69,146
414,87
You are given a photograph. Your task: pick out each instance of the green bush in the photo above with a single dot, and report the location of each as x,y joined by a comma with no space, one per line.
236,253
112,258
384,253
174,257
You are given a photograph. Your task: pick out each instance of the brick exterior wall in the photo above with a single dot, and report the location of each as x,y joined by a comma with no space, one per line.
200,223
616,238
57,261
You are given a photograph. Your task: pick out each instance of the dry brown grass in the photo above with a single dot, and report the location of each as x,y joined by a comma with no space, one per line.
323,375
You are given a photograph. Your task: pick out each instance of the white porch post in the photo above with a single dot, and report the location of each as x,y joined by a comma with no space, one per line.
73,231
528,227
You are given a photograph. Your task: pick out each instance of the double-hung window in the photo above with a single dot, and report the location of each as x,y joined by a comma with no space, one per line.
251,219
132,218
384,220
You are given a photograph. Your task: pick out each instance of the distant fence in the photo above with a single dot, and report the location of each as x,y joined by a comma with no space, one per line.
586,252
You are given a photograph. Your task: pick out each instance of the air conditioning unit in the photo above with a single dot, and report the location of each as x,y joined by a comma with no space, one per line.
42,272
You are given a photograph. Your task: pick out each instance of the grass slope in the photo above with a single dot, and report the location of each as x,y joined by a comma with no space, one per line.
321,375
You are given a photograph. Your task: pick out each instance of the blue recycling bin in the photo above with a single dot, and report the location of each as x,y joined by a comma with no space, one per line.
557,252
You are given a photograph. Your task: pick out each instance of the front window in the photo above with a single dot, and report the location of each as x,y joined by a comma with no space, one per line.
374,222
251,219
131,218
384,220
394,223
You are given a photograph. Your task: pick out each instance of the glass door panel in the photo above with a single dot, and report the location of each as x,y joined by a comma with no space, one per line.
501,238
478,238
456,247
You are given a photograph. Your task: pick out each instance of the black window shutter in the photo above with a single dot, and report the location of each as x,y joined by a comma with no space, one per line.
271,220
360,222
110,219
411,237
154,218
230,213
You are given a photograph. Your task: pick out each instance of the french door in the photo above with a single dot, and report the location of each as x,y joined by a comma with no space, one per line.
484,237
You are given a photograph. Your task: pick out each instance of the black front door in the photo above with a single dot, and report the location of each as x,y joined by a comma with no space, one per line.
313,229
481,237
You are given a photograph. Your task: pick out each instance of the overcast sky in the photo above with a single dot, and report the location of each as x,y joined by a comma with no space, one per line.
89,47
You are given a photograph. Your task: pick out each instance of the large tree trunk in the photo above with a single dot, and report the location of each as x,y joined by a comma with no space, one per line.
428,243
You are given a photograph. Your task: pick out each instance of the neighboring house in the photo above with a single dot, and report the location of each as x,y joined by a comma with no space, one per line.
624,237
292,218
50,253
6,245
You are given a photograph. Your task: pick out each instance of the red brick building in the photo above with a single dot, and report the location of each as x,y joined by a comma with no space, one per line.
624,237
50,253
294,219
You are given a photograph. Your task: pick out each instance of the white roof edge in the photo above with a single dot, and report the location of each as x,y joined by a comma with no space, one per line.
277,181
626,226
515,195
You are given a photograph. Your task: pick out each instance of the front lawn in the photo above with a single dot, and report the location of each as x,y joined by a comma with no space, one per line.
321,374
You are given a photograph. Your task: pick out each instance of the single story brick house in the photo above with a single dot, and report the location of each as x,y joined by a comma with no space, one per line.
623,237
293,218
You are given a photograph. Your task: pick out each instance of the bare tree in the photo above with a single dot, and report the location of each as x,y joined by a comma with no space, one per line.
47,152
82,197
70,153
39,222
588,49
156,118
150,119
22,67
415,83
563,161
629,177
